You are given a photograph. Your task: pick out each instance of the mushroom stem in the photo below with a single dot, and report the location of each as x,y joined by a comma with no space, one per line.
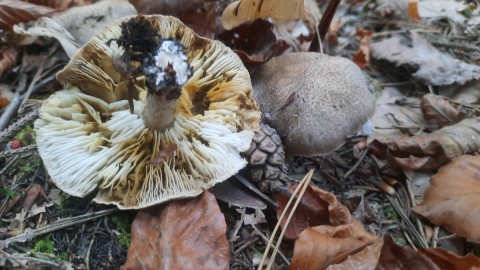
159,112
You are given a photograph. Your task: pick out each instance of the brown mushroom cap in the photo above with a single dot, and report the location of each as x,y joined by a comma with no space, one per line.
89,139
314,101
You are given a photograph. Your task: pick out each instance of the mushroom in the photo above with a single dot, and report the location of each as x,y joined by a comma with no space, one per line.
150,112
314,101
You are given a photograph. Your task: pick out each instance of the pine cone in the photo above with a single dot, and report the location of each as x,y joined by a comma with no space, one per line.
266,158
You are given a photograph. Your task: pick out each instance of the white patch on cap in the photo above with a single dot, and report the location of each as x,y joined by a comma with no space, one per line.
171,52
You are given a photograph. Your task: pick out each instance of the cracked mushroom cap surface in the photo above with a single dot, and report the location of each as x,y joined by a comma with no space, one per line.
90,140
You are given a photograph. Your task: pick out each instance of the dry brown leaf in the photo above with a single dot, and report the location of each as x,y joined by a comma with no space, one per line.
445,111
447,260
362,57
196,14
242,11
413,10
453,197
33,192
431,151
317,207
8,58
332,34
16,11
184,234
395,257
59,4
321,246
367,258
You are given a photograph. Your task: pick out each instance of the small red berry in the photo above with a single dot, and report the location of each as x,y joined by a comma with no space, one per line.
12,145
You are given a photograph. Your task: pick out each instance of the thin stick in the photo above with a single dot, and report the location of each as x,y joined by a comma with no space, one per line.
55,226
324,25
267,249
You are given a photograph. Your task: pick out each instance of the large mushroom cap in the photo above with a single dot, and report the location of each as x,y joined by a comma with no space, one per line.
88,138
313,100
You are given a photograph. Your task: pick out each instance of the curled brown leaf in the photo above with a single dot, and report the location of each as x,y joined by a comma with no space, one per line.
33,192
8,58
184,234
16,11
445,111
317,207
453,197
321,246
431,151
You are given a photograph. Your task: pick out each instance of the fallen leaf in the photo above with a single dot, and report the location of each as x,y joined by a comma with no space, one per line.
392,112
196,14
362,57
453,197
430,151
317,207
84,21
16,11
242,11
395,257
321,246
253,38
8,58
33,192
46,27
445,111
432,66
413,10
332,34
367,258
184,234
5,94
447,260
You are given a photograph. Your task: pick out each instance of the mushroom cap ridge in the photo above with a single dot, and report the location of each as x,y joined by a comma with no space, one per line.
88,138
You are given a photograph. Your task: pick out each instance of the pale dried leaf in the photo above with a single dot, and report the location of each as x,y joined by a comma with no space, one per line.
184,234
46,27
433,66
242,11
431,151
453,197
16,11
444,110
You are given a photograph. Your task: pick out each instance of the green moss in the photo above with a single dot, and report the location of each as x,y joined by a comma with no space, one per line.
62,256
44,245
390,213
29,164
8,193
123,222
124,239
26,136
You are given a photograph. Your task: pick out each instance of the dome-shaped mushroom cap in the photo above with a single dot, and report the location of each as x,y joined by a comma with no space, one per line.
314,100
89,139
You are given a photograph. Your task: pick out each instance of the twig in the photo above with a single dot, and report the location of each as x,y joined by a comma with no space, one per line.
249,185
435,236
55,226
23,150
265,238
421,241
13,129
414,203
355,166
16,257
8,114
409,240
324,25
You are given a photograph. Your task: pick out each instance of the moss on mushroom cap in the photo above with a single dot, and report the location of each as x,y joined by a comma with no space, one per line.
88,138
314,100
